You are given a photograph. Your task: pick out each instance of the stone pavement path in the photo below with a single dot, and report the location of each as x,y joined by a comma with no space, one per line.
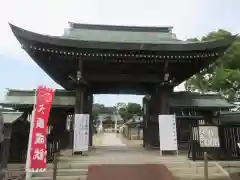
111,139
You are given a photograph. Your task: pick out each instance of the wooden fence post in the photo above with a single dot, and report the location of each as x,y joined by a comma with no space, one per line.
205,166
5,148
55,161
55,158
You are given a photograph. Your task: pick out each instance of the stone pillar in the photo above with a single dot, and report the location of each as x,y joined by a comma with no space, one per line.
5,149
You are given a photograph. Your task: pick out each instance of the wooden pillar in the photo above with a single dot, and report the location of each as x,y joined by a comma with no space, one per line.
91,120
146,119
153,121
163,94
79,109
88,103
159,104
79,101
5,148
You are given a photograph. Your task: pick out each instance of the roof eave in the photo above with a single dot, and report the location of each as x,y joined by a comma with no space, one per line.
63,42
202,107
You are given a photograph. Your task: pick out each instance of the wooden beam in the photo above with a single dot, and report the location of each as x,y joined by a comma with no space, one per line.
135,78
165,66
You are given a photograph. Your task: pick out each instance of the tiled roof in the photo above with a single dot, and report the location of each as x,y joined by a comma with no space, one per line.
190,99
66,98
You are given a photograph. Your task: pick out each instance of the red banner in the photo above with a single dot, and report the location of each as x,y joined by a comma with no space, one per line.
39,127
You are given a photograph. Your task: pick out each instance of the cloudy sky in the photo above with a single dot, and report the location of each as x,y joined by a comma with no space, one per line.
190,18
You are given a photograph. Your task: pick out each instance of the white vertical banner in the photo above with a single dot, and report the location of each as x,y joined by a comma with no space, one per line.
81,132
167,133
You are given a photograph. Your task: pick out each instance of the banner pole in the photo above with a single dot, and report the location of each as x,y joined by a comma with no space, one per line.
28,170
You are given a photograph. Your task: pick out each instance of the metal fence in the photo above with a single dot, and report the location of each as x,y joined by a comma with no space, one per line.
20,155
229,137
18,173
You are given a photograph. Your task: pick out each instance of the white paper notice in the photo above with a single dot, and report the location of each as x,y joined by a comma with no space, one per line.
81,132
167,133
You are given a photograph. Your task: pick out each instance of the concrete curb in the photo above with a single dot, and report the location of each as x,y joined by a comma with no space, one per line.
222,170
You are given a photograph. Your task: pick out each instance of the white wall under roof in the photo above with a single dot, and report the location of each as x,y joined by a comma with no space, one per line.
10,117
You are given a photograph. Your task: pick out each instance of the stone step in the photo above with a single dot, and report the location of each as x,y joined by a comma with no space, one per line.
201,164
125,161
85,165
83,177
211,169
212,176
16,166
230,163
232,169
193,170
202,178
177,171
70,165
79,159
177,165
79,165
72,172
62,172
179,177
48,173
119,157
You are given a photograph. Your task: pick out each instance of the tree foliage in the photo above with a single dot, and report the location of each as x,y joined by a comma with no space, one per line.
101,109
224,75
126,111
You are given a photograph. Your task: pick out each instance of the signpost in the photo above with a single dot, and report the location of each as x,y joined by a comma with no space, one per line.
37,147
208,136
167,133
81,133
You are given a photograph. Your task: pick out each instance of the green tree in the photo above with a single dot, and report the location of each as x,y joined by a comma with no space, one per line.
101,109
223,76
127,111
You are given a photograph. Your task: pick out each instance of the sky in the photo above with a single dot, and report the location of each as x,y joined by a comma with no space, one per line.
190,18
